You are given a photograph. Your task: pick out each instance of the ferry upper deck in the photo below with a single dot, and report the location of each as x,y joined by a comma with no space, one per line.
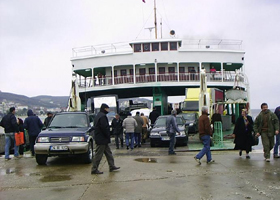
141,68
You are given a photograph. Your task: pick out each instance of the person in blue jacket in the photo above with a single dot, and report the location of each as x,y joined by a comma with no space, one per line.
33,125
9,122
171,129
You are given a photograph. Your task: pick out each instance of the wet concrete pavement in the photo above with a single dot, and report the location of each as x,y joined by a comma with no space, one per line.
146,173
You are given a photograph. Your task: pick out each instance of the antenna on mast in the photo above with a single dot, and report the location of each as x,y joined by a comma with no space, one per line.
150,29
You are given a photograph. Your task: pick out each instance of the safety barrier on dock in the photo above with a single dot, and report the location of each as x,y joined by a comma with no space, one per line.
218,135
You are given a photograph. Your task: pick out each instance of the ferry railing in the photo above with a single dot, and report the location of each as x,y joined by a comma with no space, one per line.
167,77
218,76
189,76
125,47
212,44
147,78
123,79
101,49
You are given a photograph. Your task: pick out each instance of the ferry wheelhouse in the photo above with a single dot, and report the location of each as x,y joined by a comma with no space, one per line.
158,68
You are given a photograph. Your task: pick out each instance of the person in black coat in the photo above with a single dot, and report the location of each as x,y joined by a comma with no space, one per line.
48,119
118,130
33,125
102,140
153,116
216,117
243,133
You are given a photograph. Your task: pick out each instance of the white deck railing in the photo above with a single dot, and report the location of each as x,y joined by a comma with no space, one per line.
124,47
227,76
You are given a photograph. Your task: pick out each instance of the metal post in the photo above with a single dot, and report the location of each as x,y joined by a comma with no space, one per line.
155,13
178,73
134,74
156,70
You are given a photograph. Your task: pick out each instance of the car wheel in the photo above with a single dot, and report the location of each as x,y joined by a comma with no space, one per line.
89,155
41,159
153,144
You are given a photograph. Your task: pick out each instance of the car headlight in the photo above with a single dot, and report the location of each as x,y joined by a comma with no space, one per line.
43,139
78,139
191,124
154,133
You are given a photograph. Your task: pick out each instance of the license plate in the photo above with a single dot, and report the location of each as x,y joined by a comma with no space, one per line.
165,138
59,148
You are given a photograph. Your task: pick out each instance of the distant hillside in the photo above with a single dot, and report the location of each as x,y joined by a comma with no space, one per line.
59,101
39,101
55,101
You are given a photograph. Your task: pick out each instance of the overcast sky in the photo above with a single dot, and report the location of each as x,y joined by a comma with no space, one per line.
37,37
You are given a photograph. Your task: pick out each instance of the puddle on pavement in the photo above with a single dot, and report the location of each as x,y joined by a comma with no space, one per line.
7,171
55,178
146,160
33,174
60,189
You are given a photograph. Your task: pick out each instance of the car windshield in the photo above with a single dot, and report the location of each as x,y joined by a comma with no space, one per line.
69,121
179,121
161,122
189,116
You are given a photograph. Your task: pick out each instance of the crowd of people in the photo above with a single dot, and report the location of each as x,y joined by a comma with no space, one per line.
245,132
134,128
11,124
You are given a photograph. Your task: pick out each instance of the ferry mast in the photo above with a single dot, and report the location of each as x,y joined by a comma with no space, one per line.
155,15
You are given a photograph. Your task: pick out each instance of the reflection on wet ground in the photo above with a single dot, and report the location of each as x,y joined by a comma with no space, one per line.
146,160
17,172
230,177
53,178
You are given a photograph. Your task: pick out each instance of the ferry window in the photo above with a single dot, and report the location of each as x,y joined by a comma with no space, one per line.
161,70
137,47
142,71
191,105
115,73
146,47
131,71
173,45
155,46
181,69
123,72
171,69
191,69
152,71
164,46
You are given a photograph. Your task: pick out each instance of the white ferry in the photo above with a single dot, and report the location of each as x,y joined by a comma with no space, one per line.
157,68
160,68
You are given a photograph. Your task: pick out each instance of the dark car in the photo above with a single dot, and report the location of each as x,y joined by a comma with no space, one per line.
191,121
69,133
158,135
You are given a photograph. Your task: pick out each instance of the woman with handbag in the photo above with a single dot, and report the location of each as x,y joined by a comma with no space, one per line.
21,129
243,133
